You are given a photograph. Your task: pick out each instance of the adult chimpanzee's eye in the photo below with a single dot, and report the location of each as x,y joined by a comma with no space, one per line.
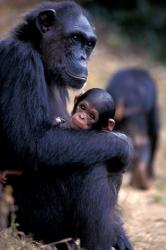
91,44
75,37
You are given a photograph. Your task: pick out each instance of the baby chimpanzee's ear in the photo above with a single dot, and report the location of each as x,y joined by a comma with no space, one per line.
111,124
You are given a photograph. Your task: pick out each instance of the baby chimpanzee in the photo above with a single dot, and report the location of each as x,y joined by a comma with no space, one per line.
95,109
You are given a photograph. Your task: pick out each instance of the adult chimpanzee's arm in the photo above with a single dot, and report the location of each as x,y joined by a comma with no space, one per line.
25,112
70,147
122,242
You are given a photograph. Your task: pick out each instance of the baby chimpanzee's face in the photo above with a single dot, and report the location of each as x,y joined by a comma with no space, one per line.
85,116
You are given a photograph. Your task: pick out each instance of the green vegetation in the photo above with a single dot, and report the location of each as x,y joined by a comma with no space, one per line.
140,27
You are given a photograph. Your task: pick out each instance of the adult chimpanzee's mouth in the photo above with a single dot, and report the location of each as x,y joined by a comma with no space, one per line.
78,77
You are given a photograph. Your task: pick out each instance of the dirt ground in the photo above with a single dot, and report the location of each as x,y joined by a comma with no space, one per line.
144,212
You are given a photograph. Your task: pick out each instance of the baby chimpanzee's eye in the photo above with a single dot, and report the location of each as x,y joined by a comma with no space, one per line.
92,116
82,106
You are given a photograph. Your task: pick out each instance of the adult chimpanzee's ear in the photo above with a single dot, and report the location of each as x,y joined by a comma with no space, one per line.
111,124
45,20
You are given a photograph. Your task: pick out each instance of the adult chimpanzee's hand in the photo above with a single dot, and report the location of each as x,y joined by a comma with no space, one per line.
121,149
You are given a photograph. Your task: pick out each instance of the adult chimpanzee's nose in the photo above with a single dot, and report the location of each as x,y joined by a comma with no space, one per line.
83,59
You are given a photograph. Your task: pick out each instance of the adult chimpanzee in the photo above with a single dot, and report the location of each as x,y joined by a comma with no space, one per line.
64,190
134,93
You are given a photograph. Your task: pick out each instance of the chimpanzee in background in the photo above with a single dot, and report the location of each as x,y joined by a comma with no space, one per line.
135,96
64,190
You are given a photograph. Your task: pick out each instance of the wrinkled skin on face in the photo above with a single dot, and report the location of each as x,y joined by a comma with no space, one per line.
66,47
84,117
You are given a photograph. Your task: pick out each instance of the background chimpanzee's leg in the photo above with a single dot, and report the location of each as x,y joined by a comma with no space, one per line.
153,119
139,177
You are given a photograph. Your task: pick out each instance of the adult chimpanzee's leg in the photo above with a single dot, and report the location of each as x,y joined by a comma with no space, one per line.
94,211
95,217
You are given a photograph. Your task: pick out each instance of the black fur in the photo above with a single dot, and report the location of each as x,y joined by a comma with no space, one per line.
64,191
135,90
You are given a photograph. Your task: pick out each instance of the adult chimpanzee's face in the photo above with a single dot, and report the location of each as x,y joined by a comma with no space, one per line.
66,46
